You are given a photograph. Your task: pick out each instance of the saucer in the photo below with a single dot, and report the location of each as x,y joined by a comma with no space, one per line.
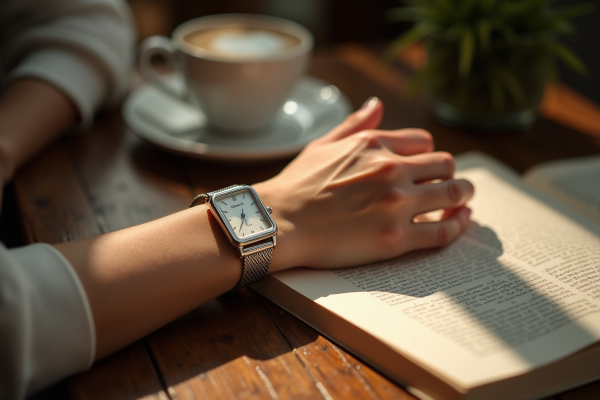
313,109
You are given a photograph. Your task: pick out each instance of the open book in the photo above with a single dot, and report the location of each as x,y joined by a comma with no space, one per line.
510,310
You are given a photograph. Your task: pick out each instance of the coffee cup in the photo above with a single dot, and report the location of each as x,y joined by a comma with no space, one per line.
238,69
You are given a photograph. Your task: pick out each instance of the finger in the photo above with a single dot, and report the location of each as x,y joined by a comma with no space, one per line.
436,234
430,166
448,212
407,142
368,117
447,194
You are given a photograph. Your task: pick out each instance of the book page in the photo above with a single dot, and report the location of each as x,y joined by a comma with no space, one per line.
573,182
519,290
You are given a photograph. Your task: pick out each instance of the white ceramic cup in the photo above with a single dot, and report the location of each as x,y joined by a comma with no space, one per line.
237,93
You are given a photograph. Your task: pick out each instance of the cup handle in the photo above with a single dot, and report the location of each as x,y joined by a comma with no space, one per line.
160,46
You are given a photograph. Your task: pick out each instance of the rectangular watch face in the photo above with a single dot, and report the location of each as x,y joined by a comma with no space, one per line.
243,214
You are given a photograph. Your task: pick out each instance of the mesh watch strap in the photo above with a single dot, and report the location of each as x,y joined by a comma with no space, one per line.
255,267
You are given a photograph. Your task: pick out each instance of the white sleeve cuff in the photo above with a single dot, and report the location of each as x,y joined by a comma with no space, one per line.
77,77
62,335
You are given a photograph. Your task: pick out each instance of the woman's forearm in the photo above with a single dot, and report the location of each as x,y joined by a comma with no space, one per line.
140,278
32,114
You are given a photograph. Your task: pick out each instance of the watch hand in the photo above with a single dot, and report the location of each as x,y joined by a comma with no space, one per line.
243,216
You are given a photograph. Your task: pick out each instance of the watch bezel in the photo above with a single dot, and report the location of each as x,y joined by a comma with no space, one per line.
221,218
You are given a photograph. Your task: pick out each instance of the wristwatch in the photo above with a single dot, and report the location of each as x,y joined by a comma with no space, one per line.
248,226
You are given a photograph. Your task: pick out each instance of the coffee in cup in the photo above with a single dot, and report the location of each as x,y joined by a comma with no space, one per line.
241,43
239,69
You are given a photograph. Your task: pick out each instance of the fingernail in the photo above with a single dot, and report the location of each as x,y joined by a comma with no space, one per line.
468,212
370,103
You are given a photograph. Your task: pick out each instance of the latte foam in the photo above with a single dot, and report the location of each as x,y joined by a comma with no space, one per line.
241,42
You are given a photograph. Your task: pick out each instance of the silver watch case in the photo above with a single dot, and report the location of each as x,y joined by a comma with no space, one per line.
254,243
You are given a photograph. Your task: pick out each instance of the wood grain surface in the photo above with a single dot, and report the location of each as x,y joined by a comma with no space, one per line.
240,345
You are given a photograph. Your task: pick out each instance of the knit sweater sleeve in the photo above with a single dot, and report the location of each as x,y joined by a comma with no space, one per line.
46,326
82,47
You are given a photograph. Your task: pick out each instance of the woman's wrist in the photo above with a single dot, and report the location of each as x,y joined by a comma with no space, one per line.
285,255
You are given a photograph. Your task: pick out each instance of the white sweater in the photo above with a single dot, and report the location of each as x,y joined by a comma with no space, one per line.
46,326
84,48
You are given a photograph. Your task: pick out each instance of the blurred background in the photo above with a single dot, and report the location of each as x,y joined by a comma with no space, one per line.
336,21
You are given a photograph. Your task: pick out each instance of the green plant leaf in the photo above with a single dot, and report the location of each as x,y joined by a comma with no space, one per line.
484,29
512,84
443,5
564,28
508,33
420,3
488,5
465,8
409,38
549,67
467,48
568,57
574,11
491,42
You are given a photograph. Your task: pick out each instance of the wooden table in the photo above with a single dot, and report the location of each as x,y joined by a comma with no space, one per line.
241,345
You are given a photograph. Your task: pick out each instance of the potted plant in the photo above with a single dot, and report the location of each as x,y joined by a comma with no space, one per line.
488,60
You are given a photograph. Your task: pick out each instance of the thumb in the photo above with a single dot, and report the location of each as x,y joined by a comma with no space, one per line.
368,117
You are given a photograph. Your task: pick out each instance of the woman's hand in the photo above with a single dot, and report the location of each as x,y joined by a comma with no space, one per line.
352,196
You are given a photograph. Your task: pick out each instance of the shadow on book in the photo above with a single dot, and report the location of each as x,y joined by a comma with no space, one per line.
499,307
